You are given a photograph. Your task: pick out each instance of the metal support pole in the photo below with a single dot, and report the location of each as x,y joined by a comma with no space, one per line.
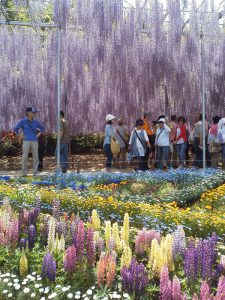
203,97
59,41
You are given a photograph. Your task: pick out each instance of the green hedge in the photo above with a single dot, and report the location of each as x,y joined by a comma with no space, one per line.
79,143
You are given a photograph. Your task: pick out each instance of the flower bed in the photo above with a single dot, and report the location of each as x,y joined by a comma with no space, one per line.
59,256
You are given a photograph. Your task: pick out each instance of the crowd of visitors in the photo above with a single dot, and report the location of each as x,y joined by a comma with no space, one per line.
164,143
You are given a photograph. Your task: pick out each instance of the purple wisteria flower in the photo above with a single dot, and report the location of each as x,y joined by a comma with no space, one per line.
135,278
49,267
31,236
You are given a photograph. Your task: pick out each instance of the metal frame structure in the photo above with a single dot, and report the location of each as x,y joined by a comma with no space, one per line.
59,42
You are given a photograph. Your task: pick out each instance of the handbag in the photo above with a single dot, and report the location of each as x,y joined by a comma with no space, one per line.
126,144
114,145
147,150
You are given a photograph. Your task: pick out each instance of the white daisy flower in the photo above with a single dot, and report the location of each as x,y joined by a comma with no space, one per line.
33,295
13,276
33,273
41,290
7,274
16,280
17,286
58,286
70,296
77,297
10,295
26,290
52,296
36,285
64,289
42,298
5,291
29,276
89,292
10,284
5,280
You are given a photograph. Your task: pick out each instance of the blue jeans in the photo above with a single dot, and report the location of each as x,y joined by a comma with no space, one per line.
181,152
109,155
163,155
64,153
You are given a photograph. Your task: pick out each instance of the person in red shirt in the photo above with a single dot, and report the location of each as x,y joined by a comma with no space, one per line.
180,139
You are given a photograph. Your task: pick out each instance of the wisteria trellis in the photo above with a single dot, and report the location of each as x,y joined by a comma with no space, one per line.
113,61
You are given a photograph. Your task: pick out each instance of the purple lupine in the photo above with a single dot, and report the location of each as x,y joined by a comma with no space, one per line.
199,259
111,245
31,236
79,241
73,231
23,221
144,239
176,289
90,247
23,243
61,228
190,265
100,245
179,242
33,215
70,260
48,267
56,210
205,291
165,285
135,278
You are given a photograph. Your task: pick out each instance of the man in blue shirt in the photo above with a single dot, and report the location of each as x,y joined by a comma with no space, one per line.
31,130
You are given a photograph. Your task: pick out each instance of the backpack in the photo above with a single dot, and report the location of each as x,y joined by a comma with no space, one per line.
114,145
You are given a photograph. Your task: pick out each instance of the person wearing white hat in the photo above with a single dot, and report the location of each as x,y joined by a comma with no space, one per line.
162,142
221,139
109,132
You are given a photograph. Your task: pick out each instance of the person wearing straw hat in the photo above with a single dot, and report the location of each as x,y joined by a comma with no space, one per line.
109,132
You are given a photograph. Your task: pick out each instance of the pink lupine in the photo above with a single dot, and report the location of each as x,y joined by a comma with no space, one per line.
205,291
70,260
176,289
165,285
